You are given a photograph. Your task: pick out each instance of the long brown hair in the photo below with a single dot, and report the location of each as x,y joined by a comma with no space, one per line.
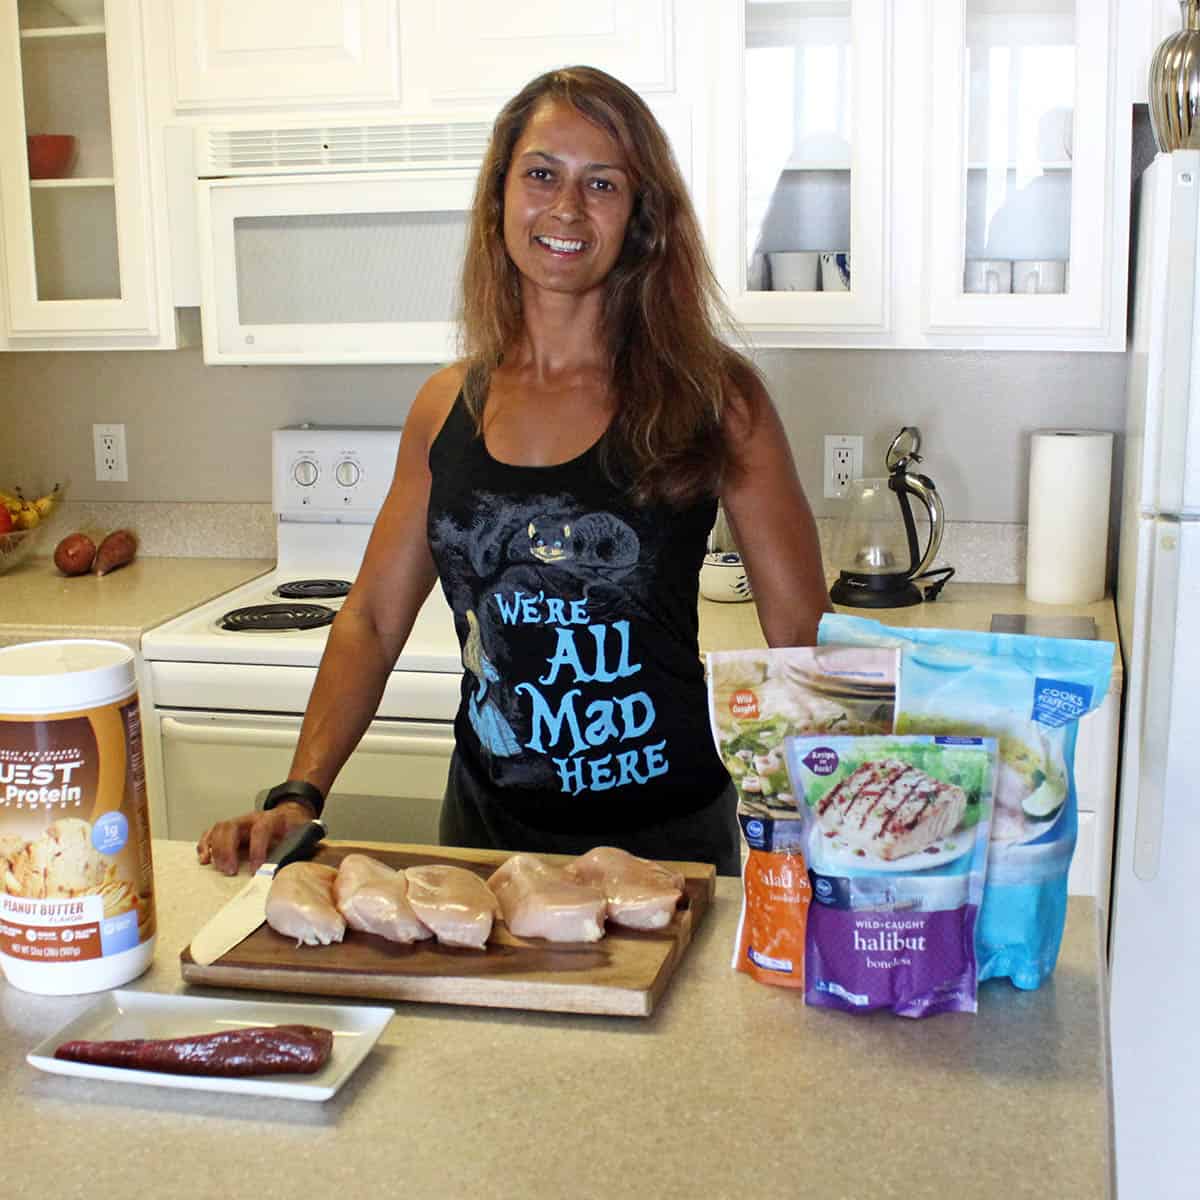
663,310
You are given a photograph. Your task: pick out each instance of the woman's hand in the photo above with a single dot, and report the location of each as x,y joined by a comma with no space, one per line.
257,831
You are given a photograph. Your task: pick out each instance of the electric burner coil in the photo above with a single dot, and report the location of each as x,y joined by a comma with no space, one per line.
263,618
313,589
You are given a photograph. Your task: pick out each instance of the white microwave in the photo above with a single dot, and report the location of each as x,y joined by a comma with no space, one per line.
334,241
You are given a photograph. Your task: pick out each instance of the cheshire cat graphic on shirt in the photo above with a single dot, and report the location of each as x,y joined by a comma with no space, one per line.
556,579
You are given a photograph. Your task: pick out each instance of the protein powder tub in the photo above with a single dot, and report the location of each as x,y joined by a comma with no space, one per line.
77,901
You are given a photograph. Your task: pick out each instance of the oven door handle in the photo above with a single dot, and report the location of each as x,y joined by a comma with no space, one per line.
249,735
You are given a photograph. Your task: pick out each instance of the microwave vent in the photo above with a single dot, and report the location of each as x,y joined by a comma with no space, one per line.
366,147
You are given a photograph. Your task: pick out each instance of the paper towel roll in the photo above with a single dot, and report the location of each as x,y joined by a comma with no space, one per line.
1067,542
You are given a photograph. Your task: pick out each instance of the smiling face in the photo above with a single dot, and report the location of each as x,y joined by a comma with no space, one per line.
568,194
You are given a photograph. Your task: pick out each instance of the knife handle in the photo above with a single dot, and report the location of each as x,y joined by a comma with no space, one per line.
298,844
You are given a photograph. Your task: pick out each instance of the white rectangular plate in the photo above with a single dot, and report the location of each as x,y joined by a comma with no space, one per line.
125,1014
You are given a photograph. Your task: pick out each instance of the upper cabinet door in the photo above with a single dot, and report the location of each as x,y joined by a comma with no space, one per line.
798,186
78,226
1023,210
478,51
254,53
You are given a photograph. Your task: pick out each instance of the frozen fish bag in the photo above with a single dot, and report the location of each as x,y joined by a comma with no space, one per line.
757,699
896,838
1028,693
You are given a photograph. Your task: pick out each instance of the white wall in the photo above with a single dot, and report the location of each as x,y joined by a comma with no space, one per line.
198,433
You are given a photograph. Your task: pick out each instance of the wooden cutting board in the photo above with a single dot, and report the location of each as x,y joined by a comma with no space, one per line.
623,974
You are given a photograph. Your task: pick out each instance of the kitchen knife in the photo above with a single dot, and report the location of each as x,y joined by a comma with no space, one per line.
242,915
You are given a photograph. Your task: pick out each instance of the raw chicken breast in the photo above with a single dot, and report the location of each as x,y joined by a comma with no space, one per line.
541,901
300,904
454,902
640,893
374,899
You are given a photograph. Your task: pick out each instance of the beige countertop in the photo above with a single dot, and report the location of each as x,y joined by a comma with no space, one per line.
960,606
36,601
730,1089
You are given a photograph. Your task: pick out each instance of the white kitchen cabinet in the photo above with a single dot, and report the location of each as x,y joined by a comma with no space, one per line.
1033,175
797,183
83,262
899,150
425,55
477,52
263,53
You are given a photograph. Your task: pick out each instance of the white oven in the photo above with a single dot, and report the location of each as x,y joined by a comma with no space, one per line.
215,764
225,685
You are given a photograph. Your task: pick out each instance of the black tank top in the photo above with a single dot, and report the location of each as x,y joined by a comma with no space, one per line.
583,699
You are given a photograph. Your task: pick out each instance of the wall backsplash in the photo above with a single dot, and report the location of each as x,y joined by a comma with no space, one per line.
199,437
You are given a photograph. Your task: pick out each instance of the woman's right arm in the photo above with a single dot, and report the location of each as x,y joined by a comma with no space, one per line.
365,638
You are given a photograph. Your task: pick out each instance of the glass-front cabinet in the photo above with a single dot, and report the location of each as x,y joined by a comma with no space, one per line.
918,173
74,174
1022,206
799,185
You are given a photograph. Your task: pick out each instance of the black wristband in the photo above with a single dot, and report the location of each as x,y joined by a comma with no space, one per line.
296,789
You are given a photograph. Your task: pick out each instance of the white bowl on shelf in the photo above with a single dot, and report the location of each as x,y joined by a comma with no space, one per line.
723,578
81,12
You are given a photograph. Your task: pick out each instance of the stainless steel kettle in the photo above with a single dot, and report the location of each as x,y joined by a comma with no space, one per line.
877,551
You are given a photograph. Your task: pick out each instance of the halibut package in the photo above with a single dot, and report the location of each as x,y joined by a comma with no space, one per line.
1029,694
896,838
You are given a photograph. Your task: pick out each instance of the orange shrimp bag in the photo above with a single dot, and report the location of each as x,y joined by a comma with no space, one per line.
770,936
758,699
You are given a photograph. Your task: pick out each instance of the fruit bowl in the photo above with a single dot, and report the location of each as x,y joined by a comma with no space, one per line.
16,547
30,511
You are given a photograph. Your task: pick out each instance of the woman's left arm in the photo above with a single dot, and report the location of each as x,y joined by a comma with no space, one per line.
772,522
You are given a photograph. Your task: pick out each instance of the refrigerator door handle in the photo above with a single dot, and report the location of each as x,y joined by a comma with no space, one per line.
1156,701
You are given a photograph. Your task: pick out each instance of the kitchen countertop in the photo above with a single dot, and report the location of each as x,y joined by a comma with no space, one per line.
735,626
730,1089
36,601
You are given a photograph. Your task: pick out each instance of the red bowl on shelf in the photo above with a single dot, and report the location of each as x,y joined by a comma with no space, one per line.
51,155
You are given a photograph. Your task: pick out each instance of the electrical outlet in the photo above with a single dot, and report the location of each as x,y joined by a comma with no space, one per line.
111,464
843,462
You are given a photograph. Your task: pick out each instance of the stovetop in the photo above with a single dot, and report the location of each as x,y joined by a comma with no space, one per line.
328,484
203,634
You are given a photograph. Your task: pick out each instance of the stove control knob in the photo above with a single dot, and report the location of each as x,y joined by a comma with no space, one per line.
347,473
305,472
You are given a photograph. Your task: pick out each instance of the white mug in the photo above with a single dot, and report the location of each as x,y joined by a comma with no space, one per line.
835,272
1040,276
992,275
794,270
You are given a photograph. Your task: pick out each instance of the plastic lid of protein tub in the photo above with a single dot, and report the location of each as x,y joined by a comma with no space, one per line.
64,675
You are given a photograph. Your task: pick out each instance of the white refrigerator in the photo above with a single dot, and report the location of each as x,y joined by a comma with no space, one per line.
1155,919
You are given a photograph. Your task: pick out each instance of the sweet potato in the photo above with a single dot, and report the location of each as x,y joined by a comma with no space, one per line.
115,551
75,554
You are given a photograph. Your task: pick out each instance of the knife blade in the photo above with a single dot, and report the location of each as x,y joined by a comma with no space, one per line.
242,915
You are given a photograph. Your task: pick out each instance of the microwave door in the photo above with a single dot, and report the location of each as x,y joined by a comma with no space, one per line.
347,268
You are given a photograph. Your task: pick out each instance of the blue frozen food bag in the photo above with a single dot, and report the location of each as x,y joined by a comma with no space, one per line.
1029,693
896,838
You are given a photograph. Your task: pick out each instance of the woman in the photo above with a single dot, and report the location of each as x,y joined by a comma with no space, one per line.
560,481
